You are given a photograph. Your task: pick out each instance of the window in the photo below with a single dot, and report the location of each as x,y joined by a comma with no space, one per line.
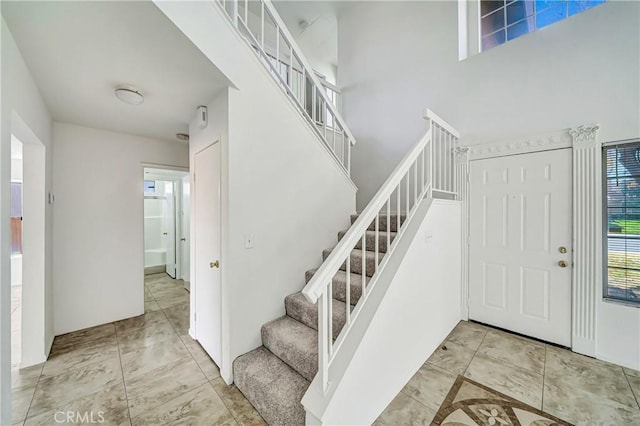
149,186
622,226
504,20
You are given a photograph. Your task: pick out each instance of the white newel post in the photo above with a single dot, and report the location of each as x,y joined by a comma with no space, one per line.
587,236
462,188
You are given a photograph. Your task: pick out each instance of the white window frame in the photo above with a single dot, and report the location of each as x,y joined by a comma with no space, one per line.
605,226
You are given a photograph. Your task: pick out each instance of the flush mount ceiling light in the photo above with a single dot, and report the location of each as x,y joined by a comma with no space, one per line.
129,95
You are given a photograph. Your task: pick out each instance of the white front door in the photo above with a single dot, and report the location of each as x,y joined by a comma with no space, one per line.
207,234
520,235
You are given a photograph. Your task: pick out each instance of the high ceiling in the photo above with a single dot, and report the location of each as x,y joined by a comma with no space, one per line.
78,52
319,40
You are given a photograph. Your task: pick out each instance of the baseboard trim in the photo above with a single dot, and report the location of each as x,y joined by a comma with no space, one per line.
150,270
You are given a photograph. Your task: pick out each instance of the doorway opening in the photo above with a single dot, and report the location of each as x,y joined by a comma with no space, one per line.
16,251
30,322
167,224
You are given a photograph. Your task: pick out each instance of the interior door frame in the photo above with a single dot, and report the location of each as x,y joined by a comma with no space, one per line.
144,166
586,238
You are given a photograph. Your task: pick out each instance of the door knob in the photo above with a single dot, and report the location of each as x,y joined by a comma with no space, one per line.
215,264
164,233
563,264
183,239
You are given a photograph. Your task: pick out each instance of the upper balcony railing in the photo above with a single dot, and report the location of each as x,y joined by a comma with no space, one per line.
259,22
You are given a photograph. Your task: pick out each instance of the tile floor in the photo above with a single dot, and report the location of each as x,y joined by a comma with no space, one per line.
140,371
147,370
573,387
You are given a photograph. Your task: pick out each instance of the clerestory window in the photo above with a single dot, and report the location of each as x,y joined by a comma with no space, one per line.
504,20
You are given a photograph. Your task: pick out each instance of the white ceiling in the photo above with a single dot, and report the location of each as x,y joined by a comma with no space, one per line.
319,41
79,51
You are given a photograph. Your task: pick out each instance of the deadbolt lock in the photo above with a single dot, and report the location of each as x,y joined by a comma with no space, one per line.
563,264
215,264
562,249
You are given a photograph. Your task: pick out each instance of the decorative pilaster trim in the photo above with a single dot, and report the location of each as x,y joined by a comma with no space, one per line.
584,134
461,154
555,140
587,237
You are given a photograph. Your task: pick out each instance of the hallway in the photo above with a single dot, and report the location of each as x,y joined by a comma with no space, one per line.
142,370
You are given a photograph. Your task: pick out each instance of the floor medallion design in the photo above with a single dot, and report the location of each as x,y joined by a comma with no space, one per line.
470,403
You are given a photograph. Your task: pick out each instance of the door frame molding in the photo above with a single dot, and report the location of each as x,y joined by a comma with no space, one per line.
586,218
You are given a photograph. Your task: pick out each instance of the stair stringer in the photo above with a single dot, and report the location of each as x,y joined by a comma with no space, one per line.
412,307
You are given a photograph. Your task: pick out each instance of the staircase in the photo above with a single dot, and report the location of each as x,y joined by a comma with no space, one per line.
275,376
299,372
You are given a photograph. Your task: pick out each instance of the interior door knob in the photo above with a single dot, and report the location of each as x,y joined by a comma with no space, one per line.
164,233
215,264
183,239
563,264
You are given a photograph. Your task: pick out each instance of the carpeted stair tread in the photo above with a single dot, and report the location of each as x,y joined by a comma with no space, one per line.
356,261
294,343
340,285
382,221
272,387
300,309
371,240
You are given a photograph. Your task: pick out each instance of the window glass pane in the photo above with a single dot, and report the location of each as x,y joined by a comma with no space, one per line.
493,40
486,7
577,6
518,10
551,14
16,199
544,4
524,16
622,171
521,28
149,186
493,22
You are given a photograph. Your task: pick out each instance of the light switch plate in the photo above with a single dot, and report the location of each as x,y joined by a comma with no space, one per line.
248,241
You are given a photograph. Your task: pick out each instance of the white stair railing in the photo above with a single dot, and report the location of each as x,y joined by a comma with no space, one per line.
426,170
259,22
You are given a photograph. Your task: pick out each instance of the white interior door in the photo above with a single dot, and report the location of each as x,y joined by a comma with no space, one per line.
207,224
186,219
170,229
520,235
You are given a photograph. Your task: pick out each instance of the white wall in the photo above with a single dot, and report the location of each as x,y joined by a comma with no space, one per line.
618,333
397,58
412,308
22,111
99,251
281,184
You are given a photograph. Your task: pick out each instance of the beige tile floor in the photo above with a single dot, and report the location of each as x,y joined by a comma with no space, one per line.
573,387
147,370
139,371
